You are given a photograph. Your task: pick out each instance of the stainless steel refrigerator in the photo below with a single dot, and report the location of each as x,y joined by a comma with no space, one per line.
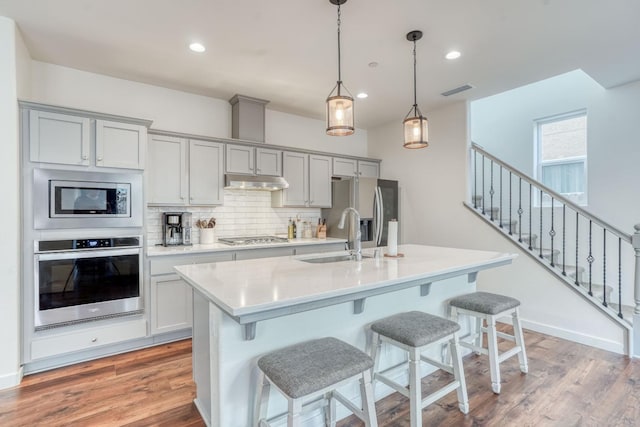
375,199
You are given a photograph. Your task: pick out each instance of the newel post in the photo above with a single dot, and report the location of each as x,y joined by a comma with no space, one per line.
635,241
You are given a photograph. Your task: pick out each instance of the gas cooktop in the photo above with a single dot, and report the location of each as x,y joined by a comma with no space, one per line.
252,240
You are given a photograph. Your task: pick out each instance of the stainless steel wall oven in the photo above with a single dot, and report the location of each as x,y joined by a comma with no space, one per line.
81,280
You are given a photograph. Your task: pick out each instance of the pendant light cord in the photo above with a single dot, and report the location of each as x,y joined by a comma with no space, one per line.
339,73
415,81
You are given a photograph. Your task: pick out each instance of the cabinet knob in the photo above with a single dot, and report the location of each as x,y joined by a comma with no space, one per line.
99,159
94,339
258,170
359,173
85,157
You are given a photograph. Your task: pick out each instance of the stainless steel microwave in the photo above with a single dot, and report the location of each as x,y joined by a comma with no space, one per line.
78,199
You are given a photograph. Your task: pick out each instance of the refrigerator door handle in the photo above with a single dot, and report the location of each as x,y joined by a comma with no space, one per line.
379,210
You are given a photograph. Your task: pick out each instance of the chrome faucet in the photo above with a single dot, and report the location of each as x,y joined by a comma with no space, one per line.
354,221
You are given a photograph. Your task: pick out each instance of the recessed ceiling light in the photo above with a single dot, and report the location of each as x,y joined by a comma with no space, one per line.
362,95
373,64
197,47
454,54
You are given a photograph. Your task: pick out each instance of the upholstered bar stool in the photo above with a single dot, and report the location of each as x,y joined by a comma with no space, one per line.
413,332
311,371
488,307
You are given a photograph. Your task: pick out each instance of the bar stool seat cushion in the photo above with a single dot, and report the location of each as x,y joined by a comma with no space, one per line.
310,366
484,302
415,328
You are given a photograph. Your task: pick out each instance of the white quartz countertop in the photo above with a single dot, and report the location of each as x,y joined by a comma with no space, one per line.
159,250
249,290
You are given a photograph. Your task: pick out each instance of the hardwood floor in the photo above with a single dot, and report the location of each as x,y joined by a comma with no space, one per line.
567,385
150,387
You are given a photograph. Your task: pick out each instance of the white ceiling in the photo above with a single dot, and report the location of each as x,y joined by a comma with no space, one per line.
286,50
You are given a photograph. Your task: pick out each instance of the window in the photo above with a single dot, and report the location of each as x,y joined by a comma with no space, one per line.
562,155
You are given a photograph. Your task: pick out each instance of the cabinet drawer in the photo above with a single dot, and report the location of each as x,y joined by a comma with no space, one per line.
164,265
89,338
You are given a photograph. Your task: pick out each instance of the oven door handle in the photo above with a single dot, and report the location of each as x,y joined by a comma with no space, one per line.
87,254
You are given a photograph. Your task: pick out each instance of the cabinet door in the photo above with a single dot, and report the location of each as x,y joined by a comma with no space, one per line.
319,181
295,169
368,169
345,167
268,162
120,145
59,138
240,159
171,304
206,178
167,172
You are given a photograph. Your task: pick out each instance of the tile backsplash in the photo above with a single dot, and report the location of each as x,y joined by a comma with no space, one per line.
244,213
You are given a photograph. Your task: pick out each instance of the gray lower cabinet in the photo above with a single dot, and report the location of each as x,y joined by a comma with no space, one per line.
171,298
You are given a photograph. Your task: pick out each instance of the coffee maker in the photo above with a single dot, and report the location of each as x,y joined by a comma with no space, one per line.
176,228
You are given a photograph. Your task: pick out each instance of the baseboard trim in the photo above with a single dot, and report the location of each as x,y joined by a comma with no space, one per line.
590,340
11,380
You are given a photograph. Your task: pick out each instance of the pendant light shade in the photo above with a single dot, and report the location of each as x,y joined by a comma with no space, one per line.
340,102
416,128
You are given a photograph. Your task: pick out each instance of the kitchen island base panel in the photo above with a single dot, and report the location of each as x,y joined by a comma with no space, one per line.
225,363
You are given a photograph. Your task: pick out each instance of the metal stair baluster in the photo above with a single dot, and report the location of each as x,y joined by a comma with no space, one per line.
564,239
552,233
483,186
620,277
519,210
475,179
577,282
604,268
541,224
530,213
491,192
590,257
501,198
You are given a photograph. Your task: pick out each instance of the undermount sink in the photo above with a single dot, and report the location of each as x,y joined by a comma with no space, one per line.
335,258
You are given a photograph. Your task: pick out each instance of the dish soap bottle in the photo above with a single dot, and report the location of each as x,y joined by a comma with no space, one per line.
291,233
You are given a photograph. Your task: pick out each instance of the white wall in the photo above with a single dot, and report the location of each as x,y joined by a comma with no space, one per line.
433,187
177,111
504,124
10,48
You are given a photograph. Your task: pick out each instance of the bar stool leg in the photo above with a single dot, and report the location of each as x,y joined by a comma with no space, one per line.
376,344
494,363
479,334
294,417
262,399
517,332
368,401
458,373
330,410
415,394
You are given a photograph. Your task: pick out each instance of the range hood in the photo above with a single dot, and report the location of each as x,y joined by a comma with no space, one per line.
254,182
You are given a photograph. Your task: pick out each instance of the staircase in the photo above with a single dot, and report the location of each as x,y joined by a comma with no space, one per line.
595,259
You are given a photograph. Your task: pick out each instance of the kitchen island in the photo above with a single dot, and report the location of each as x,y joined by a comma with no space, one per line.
245,309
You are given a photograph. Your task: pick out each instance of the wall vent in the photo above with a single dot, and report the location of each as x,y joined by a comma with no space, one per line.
457,90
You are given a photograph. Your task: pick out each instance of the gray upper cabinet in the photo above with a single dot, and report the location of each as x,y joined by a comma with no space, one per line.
249,160
120,145
59,138
309,178
240,159
268,162
319,181
185,172
206,180
345,167
368,169
167,174
67,139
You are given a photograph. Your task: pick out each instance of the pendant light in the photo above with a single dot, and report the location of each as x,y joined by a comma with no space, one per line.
416,130
340,101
